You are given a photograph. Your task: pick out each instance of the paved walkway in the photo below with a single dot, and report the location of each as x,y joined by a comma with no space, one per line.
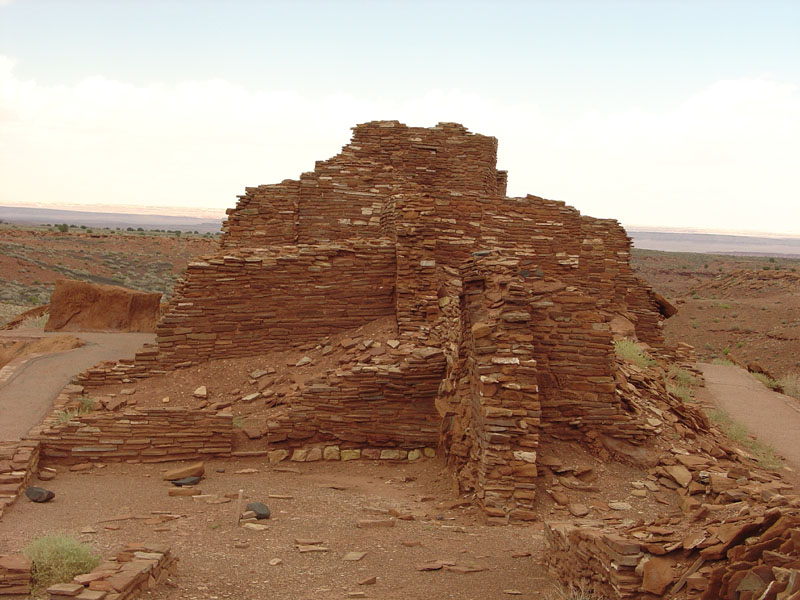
771,417
27,396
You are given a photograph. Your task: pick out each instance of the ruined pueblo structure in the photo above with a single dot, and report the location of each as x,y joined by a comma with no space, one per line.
503,306
446,316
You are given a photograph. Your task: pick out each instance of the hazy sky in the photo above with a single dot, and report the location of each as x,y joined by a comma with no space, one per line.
682,113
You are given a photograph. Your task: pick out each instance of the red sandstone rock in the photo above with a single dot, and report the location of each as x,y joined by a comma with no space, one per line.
83,306
657,575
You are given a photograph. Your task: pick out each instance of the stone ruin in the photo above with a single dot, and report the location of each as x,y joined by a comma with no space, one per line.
499,352
504,307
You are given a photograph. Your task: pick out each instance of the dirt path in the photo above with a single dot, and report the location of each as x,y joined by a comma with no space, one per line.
28,395
773,418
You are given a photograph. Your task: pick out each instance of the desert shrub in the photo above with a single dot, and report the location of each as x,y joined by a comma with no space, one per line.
682,376
64,416
764,454
681,383
632,352
57,558
238,421
87,404
766,380
683,392
723,361
790,384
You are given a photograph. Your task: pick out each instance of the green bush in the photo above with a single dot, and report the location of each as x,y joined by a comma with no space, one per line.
723,361
57,558
632,352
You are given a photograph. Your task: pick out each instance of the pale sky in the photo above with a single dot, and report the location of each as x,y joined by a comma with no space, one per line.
681,113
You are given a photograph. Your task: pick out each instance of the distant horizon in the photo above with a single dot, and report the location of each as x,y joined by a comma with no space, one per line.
220,214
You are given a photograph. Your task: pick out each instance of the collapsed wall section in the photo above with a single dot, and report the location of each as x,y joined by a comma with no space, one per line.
260,300
380,406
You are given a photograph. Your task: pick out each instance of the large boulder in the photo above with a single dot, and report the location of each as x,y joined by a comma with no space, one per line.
83,306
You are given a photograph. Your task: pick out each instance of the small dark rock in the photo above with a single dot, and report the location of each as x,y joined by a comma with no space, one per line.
37,494
261,509
186,481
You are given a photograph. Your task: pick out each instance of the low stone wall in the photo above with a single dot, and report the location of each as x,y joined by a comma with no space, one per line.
135,569
15,575
597,561
18,461
318,452
142,435
126,370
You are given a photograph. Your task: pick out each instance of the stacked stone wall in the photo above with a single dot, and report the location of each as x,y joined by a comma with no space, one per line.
594,560
264,216
15,575
259,301
19,460
502,402
147,435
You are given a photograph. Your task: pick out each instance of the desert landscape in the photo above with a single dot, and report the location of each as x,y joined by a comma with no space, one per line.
390,379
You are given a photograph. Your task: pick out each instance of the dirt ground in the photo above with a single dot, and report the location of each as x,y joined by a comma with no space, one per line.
322,502
32,259
735,307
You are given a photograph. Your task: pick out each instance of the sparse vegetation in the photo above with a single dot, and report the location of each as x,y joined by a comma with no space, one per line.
65,416
791,384
766,380
761,451
57,558
723,361
632,352
87,404
238,421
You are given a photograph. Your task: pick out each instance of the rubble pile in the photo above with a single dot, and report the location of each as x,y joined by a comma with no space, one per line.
718,509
